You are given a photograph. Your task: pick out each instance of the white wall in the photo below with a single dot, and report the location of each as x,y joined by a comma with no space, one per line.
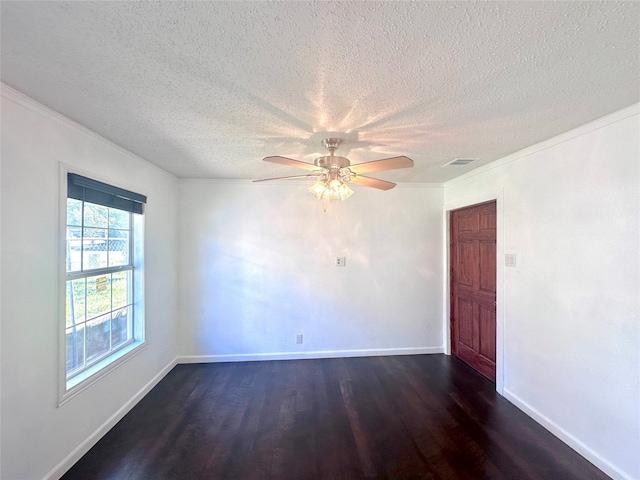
571,306
257,266
38,437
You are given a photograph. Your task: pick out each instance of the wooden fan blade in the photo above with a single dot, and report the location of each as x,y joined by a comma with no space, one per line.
373,182
293,176
291,162
380,165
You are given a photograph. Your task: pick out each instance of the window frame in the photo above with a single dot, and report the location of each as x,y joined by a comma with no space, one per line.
69,386
88,273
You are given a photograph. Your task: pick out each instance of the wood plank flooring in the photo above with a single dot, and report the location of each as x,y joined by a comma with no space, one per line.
400,417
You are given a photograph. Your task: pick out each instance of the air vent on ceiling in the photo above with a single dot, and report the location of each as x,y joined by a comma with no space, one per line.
460,162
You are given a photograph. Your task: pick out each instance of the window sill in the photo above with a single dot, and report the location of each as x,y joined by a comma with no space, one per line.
87,378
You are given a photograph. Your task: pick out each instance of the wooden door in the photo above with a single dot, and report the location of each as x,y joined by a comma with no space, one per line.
473,287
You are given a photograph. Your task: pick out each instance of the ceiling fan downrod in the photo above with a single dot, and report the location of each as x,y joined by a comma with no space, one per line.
331,144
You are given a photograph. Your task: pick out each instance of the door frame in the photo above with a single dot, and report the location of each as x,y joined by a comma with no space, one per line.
496,195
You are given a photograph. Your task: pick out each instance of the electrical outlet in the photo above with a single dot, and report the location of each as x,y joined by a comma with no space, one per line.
341,261
299,338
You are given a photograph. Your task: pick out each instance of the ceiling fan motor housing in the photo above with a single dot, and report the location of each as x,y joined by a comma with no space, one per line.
332,161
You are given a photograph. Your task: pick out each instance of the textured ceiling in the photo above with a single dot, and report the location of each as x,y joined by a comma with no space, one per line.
207,89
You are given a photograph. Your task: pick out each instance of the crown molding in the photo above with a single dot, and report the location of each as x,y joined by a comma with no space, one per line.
229,181
10,93
419,185
300,181
552,142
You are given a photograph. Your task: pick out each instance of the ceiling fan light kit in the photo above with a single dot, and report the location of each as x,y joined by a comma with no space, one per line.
330,191
335,172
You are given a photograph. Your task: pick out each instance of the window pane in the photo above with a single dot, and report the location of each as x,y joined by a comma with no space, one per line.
74,248
96,234
96,215
118,247
74,212
94,245
98,336
120,283
121,326
93,259
118,219
75,347
75,308
98,295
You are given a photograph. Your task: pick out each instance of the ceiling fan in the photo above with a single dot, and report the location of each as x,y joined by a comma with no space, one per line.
333,172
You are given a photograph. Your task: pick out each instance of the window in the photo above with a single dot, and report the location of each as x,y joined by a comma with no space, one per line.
101,318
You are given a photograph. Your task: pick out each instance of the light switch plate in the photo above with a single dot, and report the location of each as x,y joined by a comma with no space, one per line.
509,259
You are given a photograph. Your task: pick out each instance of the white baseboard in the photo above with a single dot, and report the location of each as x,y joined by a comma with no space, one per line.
611,470
85,446
250,357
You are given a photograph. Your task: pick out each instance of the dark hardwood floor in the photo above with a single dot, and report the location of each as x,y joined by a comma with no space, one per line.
404,417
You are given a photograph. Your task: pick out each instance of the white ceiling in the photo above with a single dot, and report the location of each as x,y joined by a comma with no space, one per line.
207,89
